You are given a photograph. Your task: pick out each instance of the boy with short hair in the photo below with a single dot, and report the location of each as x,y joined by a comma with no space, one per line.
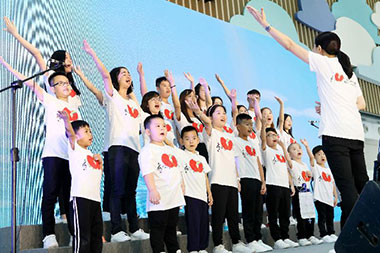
86,173
252,184
159,165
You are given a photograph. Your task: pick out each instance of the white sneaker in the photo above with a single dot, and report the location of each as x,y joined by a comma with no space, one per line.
203,251
291,243
50,241
334,237
263,226
179,232
241,226
304,242
120,237
314,240
106,216
265,245
327,239
256,247
280,244
240,247
292,221
179,251
220,249
332,251
139,235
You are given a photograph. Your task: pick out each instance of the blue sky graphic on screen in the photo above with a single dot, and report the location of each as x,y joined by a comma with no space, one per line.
161,35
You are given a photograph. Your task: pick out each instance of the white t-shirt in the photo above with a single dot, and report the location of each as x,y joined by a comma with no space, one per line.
196,124
125,121
222,151
74,99
276,167
163,162
167,111
286,138
195,169
170,131
229,130
86,173
56,140
253,116
248,154
323,184
298,173
340,116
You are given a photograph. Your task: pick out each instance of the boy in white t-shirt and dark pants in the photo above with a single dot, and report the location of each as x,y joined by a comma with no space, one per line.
198,195
86,173
160,167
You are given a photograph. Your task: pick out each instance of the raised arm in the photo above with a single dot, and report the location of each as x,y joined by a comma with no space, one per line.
191,80
226,90
281,115
98,94
197,111
68,127
204,83
101,68
31,84
286,154
309,153
233,105
263,134
11,29
256,106
143,88
281,38
176,104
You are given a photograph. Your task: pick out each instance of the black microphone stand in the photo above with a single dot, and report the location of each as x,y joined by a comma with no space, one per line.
14,150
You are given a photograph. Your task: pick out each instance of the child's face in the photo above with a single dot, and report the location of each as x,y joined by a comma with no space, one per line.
219,117
288,123
295,151
124,78
271,138
84,136
267,116
157,130
217,101
190,140
68,63
245,127
61,86
320,157
164,89
154,105
242,109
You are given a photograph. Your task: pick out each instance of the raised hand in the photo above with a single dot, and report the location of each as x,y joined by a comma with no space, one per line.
219,79
140,69
279,100
63,115
304,142
193,106
258,15
87,48
233,94
189,77
78,70
10,26
318,107
169,76
2,60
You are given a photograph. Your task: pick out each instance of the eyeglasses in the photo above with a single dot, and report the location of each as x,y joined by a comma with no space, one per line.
155,99
61,83
272,135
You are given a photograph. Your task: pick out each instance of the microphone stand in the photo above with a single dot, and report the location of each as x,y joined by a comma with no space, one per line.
14,150
312,123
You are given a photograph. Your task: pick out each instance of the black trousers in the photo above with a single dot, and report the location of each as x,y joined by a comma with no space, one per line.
202,149
86,219
346,161
305,227
325,218
252,208
225,206
197,223
163,230
278,206
57,181
124,171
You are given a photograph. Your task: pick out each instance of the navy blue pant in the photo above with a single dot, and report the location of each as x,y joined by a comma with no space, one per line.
325,218
346,161
252,208
57,181
124,171
163,230
197,223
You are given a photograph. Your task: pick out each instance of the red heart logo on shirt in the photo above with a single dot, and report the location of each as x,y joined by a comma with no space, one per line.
325,177
196,166
73,93
133,112
72,115
169,160
93,163
168,127
251,151
228,129
226,144
198,127
168,114
305,176
292,141
280,158
252,135
338,77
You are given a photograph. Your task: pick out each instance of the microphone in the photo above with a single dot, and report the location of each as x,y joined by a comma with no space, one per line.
56,64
